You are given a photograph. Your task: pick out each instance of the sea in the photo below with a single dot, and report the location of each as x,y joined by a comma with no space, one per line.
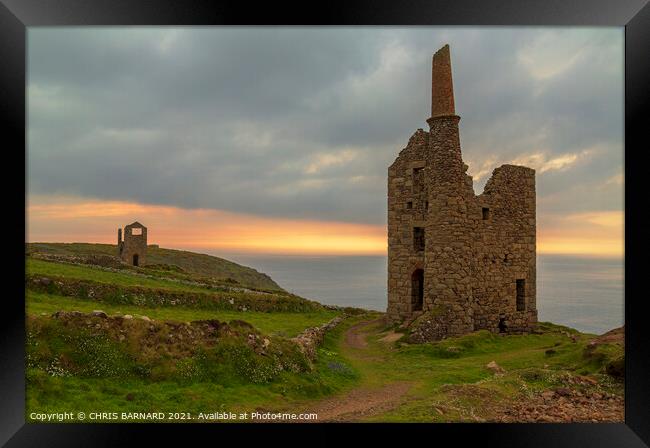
580,292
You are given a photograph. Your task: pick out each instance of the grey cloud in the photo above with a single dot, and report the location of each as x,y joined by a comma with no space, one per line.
231,118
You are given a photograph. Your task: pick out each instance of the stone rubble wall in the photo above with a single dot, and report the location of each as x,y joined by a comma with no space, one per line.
144,296
311,338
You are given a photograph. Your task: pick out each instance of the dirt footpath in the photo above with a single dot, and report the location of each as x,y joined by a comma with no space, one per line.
355,338
362,402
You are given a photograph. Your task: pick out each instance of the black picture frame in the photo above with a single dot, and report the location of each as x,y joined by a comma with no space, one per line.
634,15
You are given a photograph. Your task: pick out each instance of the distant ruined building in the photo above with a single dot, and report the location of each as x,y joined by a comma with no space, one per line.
457,262
133,249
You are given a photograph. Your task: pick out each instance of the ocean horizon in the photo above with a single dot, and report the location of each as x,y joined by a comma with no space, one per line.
584,293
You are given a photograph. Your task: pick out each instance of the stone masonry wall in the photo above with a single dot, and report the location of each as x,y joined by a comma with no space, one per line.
506,250
402,259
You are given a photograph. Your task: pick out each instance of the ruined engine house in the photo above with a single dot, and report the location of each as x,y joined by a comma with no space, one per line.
133,249
457,261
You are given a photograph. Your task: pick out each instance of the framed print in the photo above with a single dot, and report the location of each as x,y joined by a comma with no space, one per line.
389,218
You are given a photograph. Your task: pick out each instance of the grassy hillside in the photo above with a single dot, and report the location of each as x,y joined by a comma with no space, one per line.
450,380
159,336
133,287
159,259
89,362
170,340
111,364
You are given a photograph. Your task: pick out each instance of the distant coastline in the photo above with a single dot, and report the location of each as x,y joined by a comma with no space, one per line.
582,292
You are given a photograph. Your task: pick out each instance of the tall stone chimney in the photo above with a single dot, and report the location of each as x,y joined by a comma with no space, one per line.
444,140
442,88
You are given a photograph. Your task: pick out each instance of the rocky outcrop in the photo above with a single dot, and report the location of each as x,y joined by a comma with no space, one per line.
429,326
565,405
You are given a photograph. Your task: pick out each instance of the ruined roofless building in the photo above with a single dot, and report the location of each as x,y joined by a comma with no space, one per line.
458,262
133,250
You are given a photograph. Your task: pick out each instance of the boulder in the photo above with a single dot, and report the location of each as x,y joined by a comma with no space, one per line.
45,281
494,367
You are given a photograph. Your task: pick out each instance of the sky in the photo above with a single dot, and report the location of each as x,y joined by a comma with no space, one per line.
277,140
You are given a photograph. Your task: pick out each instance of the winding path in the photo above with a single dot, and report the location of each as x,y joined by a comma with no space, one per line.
364,401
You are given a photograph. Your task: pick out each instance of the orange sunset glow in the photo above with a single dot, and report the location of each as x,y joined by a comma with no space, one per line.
595,234
69,219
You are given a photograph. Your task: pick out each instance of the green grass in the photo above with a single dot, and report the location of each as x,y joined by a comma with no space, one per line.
78,369
129,288
74,368
281,323
190,262
55,394
462,361
96,274
449,375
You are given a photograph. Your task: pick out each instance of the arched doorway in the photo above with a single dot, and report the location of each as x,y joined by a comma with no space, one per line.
135,260
417,290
